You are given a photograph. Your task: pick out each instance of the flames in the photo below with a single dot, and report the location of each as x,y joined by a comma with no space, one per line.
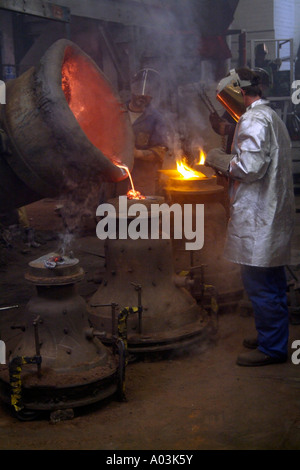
186,172
202,157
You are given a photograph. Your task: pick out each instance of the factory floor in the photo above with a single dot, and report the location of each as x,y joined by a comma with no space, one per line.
191,400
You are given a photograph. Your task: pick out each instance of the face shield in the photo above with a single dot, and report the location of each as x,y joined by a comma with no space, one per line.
146,82
230,96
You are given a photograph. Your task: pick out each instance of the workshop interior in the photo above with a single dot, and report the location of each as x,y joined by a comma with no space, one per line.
80,314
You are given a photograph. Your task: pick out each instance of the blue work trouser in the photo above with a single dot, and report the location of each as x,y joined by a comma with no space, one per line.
266,288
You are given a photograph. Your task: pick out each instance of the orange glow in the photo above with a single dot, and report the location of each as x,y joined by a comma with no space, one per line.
235,116
94,104
186,172
132,193
202,157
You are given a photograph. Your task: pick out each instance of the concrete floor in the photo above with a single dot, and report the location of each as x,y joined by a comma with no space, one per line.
193,400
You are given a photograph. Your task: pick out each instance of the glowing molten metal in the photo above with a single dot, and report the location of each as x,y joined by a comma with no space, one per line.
132,193
94,104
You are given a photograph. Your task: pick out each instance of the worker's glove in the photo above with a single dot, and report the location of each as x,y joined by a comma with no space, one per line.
218,160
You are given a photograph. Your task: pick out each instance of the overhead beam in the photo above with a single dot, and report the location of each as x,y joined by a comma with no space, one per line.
129,12
38,8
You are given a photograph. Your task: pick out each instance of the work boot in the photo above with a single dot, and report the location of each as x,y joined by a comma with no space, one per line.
250,343
257,358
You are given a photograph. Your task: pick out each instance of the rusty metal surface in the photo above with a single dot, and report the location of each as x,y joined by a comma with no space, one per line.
61,392
68,271
170,315
75,369
222,274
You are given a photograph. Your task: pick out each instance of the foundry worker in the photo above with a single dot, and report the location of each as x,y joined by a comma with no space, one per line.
150,131
225,125
261,216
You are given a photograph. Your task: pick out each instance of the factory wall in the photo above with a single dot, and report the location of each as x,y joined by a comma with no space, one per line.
255,16
297,25
267,19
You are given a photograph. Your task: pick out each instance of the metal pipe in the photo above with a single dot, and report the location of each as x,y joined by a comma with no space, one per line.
9,307
138,288
37,344
206,101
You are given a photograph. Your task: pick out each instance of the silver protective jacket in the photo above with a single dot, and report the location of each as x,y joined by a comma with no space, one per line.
261,191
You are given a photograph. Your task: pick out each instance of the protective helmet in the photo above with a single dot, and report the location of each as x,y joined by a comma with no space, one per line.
146,82
230,96
265,79
264,76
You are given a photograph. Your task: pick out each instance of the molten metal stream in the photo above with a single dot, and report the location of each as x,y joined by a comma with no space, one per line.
132,193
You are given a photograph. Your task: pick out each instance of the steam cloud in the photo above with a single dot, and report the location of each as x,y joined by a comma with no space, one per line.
172,47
